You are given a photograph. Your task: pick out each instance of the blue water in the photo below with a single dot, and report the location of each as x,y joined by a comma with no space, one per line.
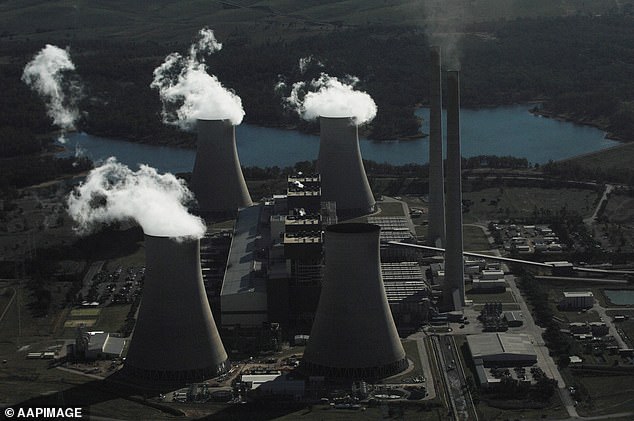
620,297
508,130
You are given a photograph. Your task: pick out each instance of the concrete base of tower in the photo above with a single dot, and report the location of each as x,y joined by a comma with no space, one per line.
337,374
164,377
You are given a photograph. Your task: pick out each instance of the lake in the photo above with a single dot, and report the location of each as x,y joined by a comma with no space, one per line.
509,130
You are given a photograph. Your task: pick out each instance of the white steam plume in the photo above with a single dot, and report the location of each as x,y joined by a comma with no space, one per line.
188,92
112,192
305,62
444,25
331,97
49,74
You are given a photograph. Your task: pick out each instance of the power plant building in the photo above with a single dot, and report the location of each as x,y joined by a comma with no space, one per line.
217,179
175,338
343,177
502,349
353,335
243,297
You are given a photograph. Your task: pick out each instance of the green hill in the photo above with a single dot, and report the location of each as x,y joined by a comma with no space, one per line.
164,20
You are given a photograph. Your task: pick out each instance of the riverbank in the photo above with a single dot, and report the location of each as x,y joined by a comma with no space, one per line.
568,118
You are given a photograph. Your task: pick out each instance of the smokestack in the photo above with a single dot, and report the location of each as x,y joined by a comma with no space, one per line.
217,179
353,335
343,178
454,265
175,338
436,225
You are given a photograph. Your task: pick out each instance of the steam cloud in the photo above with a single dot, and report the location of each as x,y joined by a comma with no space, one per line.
444,25
188,92
112,192
50,74
306,62
330,97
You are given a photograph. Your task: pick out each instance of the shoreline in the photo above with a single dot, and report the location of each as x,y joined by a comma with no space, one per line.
569,119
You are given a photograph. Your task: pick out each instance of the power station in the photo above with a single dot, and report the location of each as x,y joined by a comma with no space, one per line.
454,263
343,177
436,225
217,179
175,338
353,335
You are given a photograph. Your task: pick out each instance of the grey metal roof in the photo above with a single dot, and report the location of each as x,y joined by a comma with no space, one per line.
239,276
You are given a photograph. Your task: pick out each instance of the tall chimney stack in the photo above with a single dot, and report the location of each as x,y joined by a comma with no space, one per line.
175,339
454,264
343,177
353,336
436,222
217,179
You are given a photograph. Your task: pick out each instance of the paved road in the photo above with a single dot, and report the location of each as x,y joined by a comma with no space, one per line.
545,361
608,189
608,321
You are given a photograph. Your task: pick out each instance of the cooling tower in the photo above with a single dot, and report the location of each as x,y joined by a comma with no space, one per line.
175,338
343,178
353,335
217,179
436,225
454,265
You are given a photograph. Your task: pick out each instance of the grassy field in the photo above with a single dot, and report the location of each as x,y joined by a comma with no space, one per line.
112,318
521,202
474,239
85,312
502,297
620,156
609,394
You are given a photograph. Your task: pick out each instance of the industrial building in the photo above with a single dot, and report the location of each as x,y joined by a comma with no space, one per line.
502,349
175,338
274,383
343,177
217,180
353,335
489,279
407,292
577,300
96,345
243,297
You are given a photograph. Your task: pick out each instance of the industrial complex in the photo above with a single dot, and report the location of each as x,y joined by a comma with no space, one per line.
329,295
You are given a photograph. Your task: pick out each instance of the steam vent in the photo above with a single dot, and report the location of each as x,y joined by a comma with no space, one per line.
353,335
343,178
217,179
175,338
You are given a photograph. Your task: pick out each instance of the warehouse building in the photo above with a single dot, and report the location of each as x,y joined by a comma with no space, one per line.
502,349
577,300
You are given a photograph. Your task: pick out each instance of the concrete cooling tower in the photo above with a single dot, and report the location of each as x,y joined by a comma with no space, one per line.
436,226
353,335
175,338
217,179
343,178
454,263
